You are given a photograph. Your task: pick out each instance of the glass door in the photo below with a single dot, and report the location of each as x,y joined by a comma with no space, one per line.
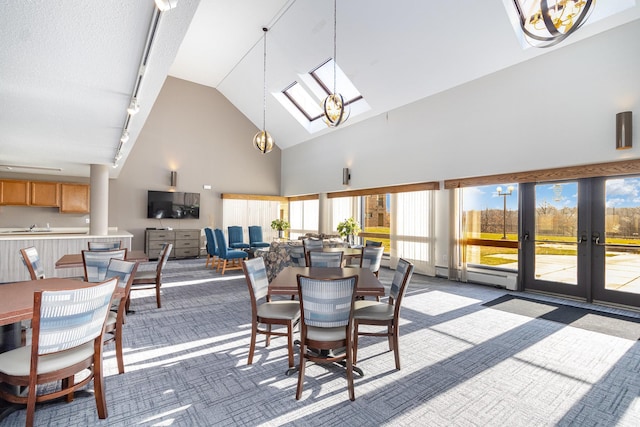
616,242
553,238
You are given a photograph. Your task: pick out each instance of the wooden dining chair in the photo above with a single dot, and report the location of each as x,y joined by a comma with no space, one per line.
387,314
325,259
280,313
370,258
326,324
67,339
124,271
31,260
297,255
152,279
96,263
311,245
104,246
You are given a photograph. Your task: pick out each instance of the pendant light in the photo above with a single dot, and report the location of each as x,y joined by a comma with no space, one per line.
548,22
263,140
335,110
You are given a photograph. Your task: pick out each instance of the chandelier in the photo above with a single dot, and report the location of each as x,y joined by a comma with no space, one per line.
263,140
548,22
336,111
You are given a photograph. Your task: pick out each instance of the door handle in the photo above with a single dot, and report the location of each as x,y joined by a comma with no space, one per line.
595,237
583,237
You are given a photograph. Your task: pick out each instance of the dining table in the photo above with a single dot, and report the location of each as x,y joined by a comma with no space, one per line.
286,282
75,260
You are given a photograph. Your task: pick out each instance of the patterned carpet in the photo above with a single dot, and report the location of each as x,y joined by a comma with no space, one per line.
463,364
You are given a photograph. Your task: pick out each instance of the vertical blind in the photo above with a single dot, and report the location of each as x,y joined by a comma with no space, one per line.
250,212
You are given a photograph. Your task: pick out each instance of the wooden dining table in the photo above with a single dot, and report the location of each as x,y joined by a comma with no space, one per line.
75,260
286,282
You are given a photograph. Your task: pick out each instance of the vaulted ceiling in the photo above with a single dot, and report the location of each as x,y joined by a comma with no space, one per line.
68,68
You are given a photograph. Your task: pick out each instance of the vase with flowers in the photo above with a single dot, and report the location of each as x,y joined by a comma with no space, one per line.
280,225
349,228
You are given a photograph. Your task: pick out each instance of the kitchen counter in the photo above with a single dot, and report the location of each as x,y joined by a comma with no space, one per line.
51,245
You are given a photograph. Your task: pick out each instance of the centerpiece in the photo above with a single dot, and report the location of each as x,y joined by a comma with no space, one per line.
349,228
280,225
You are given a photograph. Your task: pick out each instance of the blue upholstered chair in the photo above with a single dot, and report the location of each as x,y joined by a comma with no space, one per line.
104,246
97,262
124,271
32,261
67,339
387,314
327,316
228,259
236,238
212,251
297,255
283,313
325,259
255,237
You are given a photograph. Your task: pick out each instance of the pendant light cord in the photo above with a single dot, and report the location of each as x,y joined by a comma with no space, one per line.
335,25
264,82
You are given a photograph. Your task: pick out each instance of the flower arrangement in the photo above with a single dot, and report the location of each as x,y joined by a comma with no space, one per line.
280,224
349,228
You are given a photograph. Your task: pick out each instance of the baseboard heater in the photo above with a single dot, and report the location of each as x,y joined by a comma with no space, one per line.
494,278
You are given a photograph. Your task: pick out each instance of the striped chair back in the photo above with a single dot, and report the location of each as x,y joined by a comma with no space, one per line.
69,318
96,263
325,259
123,270
31,260
326,303
256,274
401,279
371,258
296,253
104,246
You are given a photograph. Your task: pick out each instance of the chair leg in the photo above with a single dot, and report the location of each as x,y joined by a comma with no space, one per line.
67,383
117,335
158,302
352,395
290,343
31,406
396,345
98,384
224,266
390,336
303,350
267,339
252,346
355,342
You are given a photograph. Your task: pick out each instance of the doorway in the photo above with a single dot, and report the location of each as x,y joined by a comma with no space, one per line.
580,239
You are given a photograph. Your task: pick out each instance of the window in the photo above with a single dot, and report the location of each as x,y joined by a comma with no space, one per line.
303,217
303,99
250,212
490,225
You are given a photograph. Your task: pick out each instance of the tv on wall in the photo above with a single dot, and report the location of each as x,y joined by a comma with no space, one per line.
173,204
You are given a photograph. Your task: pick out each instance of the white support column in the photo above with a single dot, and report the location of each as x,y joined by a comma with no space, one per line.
324,213
99,225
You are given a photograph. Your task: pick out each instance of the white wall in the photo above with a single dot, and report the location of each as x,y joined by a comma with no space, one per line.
552,111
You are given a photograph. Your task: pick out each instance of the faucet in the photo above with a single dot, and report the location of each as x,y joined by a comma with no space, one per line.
32,227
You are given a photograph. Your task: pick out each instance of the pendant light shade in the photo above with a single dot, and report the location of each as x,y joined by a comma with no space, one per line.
548,22
263,140
336,111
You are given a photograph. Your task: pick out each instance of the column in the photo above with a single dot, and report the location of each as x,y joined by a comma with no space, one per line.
324,214
99,180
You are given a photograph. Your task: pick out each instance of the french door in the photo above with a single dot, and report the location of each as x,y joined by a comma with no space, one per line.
581,239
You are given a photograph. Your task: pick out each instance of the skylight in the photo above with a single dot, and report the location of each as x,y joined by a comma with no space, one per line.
303,98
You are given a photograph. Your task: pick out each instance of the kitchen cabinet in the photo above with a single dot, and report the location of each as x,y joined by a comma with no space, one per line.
74,198
45,194
14,192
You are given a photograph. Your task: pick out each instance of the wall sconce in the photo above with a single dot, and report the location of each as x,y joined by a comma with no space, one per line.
623,130
346,176
174,178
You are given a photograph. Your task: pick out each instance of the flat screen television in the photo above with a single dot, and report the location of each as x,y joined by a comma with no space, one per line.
173,204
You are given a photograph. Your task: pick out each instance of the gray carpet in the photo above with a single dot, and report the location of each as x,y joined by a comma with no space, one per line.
463,364
592,320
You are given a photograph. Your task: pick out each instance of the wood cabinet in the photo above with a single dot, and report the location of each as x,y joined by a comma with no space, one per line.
14,192
186,243
74,198
45,194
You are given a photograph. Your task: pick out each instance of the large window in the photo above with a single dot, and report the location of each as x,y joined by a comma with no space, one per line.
303,217
490,225
246,212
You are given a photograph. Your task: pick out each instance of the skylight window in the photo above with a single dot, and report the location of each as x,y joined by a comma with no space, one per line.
303,99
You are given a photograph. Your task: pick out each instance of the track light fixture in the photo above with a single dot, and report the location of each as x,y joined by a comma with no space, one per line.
134,107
